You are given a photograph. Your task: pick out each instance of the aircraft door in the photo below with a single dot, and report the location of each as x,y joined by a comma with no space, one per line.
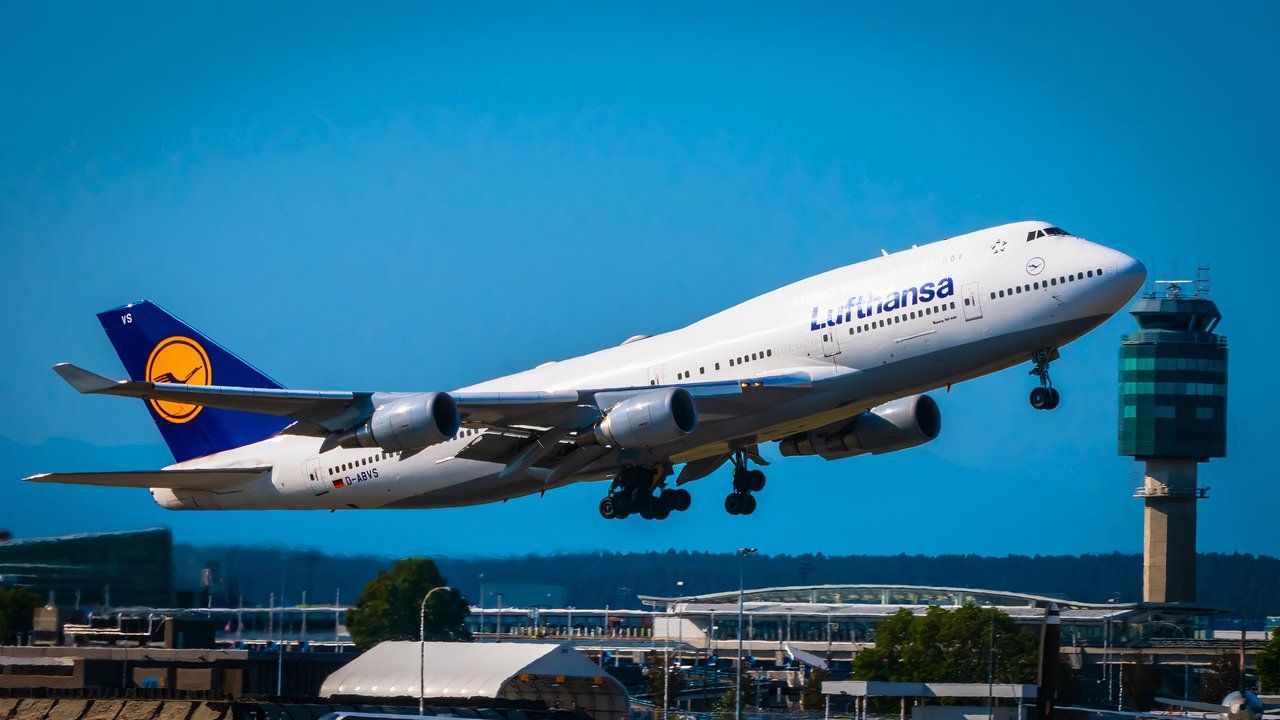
655,375
315,476
831,341
971,300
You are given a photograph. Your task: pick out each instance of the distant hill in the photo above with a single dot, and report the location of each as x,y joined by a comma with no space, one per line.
599,579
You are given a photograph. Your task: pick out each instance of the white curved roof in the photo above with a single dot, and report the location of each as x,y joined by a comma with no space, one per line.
454,670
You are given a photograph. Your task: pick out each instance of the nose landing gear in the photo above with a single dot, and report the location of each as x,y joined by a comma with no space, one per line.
639,490
1046,396
745,482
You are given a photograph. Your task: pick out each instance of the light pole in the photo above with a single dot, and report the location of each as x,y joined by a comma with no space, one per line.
666,655
422,647
737,686
991,665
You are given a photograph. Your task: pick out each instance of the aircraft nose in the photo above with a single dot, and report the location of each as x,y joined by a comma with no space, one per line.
1130,273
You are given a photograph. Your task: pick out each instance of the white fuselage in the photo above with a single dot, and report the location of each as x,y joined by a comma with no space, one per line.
882,329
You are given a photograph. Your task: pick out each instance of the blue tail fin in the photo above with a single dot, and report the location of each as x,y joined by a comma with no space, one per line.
158,347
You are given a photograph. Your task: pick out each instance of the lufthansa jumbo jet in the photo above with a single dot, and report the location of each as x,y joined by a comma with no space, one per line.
833,366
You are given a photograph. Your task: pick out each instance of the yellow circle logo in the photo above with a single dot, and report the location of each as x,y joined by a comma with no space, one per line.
181,361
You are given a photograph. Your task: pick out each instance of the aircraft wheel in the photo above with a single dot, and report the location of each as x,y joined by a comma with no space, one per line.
748,505
607,509
733,503
755,478
683,500
667,500
660,511
1054,399
1041,398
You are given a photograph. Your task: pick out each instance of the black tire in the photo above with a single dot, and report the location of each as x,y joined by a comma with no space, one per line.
647,506
622,505
741,483
683,500
1040,398
607,509
748,505
1054,399
660,511
756,479
733,503
668,500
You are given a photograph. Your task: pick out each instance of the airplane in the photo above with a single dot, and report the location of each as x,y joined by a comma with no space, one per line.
835,365
1237,705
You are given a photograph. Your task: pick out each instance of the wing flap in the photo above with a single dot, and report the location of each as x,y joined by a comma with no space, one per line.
202,479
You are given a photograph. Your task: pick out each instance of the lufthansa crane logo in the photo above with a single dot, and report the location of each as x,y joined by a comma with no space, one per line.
178,360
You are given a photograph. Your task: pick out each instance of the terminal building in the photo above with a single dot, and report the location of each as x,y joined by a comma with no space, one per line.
834,622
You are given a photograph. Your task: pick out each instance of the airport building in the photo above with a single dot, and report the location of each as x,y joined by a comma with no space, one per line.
834,622
108,569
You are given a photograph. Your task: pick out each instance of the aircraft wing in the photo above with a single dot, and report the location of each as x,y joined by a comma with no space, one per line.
1194,705
343,409
329,409
1100,713
217,479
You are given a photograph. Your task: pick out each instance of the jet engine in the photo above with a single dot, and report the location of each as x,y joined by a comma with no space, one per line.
407,423
650,418
895,425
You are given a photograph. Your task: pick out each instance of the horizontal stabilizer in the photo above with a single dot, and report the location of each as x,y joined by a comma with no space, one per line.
211,479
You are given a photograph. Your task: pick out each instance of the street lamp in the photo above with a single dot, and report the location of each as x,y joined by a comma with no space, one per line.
666,655
422,647
737,687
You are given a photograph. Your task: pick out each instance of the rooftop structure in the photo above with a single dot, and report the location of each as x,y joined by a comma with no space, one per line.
544,672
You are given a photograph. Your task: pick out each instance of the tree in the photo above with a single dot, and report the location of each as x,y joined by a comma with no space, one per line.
956,645
724,706
388,608
673,682
1269,665
17,607
812,698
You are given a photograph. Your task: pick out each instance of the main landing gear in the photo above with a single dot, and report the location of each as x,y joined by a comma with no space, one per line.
745,482
1046,396
643,491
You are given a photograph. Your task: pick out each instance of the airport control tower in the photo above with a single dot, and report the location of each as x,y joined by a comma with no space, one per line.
1173,416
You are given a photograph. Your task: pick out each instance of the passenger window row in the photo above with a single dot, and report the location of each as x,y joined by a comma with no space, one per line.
914,314
686,374
748,358
1045,284
360,463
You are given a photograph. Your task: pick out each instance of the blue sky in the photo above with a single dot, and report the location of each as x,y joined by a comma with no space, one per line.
425,195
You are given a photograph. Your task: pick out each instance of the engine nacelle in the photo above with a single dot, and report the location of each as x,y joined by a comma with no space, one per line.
895,425
650,418
408,423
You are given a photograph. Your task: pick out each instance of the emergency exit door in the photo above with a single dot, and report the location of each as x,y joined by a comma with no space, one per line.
972,302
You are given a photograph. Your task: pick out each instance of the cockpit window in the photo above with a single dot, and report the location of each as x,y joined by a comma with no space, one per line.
1047,231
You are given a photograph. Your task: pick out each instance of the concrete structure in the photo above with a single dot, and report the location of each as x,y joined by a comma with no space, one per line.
914,694
199,673
555,675
1173,401
66,706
